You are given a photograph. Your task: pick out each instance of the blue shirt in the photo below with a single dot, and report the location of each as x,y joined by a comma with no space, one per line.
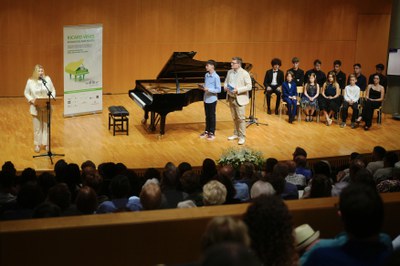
213,83
124,204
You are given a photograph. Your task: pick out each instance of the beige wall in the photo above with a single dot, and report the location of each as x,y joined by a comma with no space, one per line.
140,35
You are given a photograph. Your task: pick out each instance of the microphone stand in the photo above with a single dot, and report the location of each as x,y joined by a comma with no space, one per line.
48,108
252,119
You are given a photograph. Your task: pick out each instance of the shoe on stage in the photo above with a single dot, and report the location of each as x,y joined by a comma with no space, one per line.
233,137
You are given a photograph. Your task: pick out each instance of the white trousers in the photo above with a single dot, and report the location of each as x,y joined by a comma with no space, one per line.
40,127
238,116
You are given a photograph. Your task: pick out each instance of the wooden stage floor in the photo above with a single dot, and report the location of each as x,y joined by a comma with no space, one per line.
87,137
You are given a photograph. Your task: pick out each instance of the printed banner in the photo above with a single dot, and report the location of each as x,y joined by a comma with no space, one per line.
83,85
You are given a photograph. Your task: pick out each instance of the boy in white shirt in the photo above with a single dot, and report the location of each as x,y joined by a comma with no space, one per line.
351,97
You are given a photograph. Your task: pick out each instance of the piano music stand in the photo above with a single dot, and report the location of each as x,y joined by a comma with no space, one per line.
252,119
48,109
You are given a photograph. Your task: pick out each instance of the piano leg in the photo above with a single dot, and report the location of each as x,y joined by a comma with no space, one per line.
146,116
152,126
162,124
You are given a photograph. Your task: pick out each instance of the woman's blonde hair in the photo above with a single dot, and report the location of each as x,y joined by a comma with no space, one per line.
35,74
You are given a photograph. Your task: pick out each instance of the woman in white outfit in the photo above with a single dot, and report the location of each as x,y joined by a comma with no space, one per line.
36,89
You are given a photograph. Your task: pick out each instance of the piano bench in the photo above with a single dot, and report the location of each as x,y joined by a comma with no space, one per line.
118,119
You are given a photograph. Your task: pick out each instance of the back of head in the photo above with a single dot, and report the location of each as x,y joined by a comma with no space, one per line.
322,168
232,254
321,186
291,166
301,161
60,195
30,195
169,179
46,181
150,196
277,182
281,169
183,167
261,188
208,170
270,229
214,193
60,169
361,209
247,170
86,200
364,176
120,187
378,153
299,151
355,166
8,167
28,175
269,164
46,210
190,182
88,163
225,229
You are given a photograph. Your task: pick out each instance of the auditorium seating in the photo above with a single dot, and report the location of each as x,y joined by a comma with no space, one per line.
148,237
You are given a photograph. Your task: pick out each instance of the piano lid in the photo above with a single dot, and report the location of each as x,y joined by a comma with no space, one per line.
182,65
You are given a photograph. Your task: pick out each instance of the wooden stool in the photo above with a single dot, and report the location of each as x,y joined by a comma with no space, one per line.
118,118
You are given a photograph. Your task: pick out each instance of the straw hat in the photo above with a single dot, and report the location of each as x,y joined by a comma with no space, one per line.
304,236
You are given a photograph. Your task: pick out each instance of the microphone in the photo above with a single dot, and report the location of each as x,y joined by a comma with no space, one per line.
43,80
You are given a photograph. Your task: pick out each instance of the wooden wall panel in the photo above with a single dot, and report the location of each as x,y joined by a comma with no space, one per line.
139,35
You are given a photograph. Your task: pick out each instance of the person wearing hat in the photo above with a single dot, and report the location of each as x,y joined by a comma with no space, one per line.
305,237
382,78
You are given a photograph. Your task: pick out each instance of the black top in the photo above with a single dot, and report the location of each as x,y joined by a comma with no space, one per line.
361,82
382,80
330,90
269,75
341,79
321,77
298,76
374,94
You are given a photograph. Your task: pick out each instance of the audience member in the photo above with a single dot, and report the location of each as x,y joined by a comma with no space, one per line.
269,167
387,171
378,153
390,185
271,231
46,181
305,237
208,171
150,197
247,174
46,210
357,204
28,175
236,191
60,170
296,179
214,193
120,191
321,186
301,166
86,200
60,195
355,166
261,188
169,188
8,190
225,229
191,185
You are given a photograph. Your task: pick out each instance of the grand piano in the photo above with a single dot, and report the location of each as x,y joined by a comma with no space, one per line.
175,87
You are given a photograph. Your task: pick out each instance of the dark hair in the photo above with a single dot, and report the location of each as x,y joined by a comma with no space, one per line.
277,182
225,176
301,161
322,168
355,166
269,164
60,169
46,181
169,179
299,151
276,61
321,186
183,167
379,151
190,182
295,60
354,155
357,65
88,163
270,229
337,62
390,159
364,176
30,196
120,187
152,173
60,195
380,66
208,171
28,175
86,200
317,61
361,210
9,168
211,62
46,210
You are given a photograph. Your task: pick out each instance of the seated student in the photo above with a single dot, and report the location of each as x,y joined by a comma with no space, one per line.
272,82
373,100
309,101
351,97
298,73
296,179
319,74
382,78
340,76
361,211
289,91
361,79
329,100
386,172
